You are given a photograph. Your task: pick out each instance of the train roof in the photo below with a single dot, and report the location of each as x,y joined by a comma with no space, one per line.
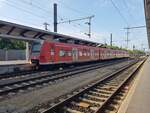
13,30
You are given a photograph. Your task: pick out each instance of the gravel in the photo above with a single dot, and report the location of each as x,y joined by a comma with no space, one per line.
26,101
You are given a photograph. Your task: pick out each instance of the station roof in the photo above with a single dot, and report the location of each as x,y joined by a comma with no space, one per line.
147,18
21,32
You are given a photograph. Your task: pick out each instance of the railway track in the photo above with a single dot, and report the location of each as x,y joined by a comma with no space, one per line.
44,79
36,72
97,97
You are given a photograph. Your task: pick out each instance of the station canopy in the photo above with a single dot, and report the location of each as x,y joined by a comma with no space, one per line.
15,31
147,18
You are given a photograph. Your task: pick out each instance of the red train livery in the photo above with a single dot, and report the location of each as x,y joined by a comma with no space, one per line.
45,52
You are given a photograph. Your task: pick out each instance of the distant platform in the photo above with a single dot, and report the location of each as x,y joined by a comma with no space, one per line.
12,66
16,62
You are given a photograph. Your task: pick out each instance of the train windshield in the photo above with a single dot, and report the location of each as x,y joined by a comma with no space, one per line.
36,46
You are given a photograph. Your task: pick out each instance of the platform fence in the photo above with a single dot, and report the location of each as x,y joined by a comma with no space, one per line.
8,55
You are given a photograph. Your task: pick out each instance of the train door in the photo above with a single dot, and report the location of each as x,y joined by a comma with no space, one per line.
52,53
92,53
75,54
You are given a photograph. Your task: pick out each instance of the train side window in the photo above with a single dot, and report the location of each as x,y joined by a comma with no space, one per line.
80,53
52,51
61,53
69,53
88,54
84,53
36,46
95,52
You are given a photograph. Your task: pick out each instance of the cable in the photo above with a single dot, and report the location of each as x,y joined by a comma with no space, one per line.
73,9
14,19
48,12
36,6
81,25
26,11
61,18
75,25
126,5
119,12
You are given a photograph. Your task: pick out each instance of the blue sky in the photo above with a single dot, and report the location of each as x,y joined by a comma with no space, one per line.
107,19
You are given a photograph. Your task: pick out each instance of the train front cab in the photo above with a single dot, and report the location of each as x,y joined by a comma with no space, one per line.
43,53
35,51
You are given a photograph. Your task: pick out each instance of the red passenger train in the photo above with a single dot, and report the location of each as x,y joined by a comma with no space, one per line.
46,52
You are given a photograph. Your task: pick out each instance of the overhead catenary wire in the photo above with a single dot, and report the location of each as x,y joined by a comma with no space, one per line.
78,19
14,5
75,30
24,10
42,9
129,13
72,9
119,12
83,30
36,6
32,24
46,11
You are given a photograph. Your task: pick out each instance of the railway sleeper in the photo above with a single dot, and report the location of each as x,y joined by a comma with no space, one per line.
86,100
103,91
116,101
111,109
95,99
17,85
84,105
70,110
98,94
77,109
112,84
99,98
107,86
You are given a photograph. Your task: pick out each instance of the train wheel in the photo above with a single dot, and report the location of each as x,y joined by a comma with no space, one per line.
36,67
60,68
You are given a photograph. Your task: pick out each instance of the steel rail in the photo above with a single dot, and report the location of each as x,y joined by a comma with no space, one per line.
58,106
23,73
33,81
101,108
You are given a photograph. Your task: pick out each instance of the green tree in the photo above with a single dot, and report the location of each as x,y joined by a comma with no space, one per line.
12,44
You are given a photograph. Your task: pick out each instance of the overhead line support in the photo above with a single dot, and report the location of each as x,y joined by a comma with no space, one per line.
55,17
128,28
84,18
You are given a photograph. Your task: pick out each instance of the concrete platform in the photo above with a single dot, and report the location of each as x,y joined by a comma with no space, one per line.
140,94
12,66
16,62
